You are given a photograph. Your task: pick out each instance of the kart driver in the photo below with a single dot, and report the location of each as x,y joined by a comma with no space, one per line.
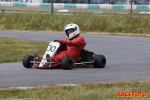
74,44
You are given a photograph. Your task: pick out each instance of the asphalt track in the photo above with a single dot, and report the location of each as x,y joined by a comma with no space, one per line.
128,59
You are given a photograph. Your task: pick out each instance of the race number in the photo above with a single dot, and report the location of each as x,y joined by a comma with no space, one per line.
51,48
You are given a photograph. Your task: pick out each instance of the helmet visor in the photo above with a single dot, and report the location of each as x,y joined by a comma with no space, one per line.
69,31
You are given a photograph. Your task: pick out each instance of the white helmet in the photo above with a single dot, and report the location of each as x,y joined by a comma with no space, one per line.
75,28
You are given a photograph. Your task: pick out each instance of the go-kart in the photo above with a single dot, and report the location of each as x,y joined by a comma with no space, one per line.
86,58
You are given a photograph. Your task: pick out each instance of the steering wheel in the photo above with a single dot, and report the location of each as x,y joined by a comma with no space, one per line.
63,47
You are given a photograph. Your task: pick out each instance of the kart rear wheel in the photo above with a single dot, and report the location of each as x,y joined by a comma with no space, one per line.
67,63
99,61
26,61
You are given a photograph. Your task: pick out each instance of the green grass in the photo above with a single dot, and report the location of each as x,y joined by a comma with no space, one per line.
13,50
88,23
80,92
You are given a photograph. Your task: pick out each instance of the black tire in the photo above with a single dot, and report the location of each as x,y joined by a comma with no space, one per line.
67,63
26,61
99,61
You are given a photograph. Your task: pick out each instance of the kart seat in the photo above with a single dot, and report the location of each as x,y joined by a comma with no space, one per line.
86,56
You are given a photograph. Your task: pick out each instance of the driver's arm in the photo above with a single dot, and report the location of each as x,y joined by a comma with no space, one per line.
76,42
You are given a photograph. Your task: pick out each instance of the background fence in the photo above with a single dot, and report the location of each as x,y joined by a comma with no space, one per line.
75,6
78,8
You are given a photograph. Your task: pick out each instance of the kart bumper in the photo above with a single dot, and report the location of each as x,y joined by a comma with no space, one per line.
47,67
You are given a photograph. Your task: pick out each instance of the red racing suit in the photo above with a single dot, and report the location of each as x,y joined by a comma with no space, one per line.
74,46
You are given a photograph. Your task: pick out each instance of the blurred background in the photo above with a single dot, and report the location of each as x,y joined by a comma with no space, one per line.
101,7
137,2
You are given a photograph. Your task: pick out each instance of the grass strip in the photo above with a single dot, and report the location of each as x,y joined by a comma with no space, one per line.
13,50
88,23
108,91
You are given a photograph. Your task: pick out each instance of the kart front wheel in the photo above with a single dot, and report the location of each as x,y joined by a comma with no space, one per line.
26,61
99,61
67,63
